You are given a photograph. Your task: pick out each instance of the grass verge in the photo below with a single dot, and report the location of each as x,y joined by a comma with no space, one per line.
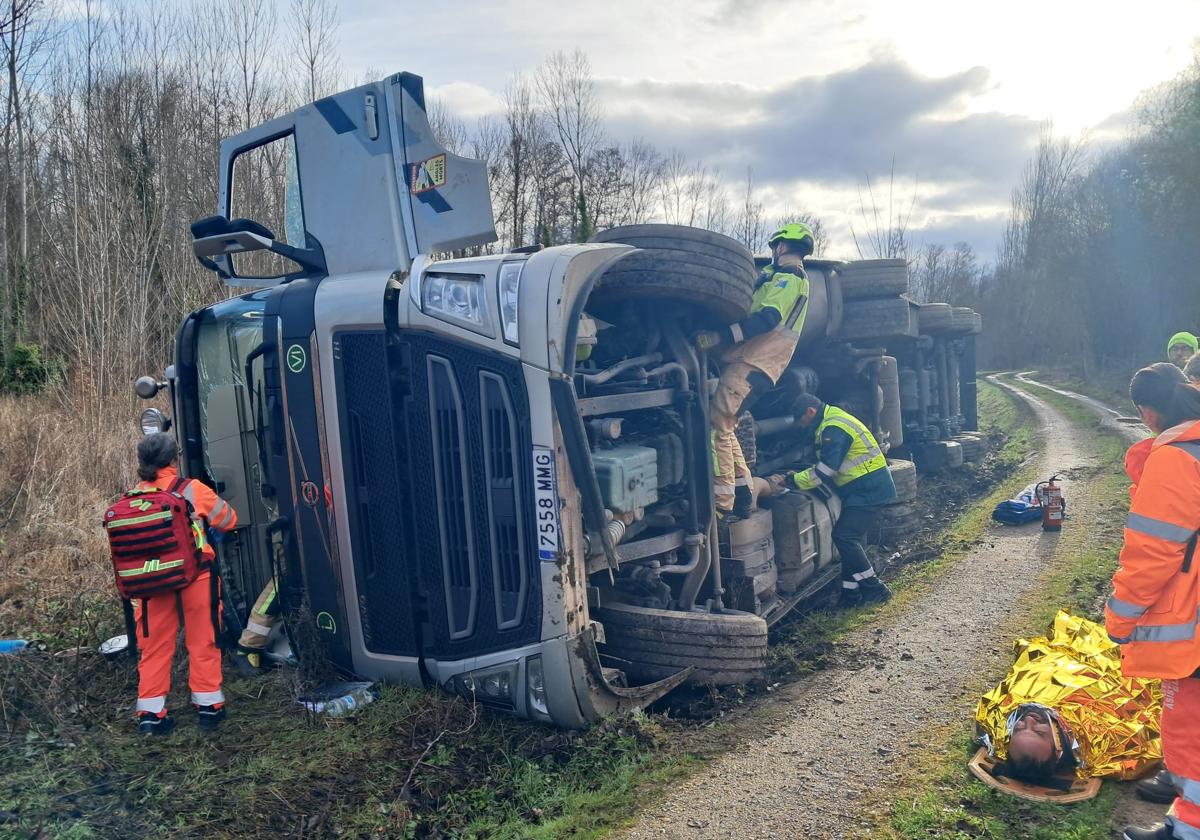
416,763
943,800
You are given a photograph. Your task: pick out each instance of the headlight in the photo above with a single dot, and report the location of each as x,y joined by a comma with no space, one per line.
457,298
488,686
510,289
153,420
535,685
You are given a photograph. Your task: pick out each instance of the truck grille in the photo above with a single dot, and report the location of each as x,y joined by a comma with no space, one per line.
451,489
500,459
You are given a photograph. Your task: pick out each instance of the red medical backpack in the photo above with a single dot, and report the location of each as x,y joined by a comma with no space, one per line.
153,544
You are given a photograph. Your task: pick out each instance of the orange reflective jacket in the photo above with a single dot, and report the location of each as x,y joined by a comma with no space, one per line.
1135,462
215,512
1155,604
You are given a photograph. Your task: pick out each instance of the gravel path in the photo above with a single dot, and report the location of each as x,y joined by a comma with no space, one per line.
830,743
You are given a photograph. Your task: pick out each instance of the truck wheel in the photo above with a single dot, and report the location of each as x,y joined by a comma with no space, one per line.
897,522
973,446
873,279
879,319
936,318
725,649
937,455
954,454
962,320
680,264
904,476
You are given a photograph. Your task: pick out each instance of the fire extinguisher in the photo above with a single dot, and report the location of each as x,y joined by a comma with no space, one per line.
1053,504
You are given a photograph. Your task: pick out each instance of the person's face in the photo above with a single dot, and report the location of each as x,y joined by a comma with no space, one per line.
780,248
1151,418
1178,355
808,418
1032,738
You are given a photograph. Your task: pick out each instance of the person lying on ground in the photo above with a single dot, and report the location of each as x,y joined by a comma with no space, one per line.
1064,706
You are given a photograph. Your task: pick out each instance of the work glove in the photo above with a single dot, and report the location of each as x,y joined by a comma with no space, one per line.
707,339
780,482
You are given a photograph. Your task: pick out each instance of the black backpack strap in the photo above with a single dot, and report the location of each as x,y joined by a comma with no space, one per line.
214,601
131,627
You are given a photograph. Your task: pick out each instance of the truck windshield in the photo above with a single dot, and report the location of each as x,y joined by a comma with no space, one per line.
229,405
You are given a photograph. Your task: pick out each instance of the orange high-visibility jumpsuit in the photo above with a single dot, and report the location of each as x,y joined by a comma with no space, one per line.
1153,611
161,618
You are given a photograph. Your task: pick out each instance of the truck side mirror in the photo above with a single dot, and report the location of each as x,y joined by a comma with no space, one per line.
216,239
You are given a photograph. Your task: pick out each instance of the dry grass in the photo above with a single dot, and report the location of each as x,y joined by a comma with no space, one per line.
62,460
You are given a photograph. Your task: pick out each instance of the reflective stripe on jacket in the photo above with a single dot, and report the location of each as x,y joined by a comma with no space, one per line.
785,291
1155,605
850,459
207,505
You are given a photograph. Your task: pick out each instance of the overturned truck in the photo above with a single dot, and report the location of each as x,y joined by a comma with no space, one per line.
493,473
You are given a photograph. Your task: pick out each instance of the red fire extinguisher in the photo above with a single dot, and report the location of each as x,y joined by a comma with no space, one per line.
1053,504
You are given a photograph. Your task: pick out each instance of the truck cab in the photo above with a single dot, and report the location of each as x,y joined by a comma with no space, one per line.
489,472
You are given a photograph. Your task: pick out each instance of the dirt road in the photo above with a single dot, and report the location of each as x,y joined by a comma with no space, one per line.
832,744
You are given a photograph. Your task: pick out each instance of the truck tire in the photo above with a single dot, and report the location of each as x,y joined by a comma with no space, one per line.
935,456
904,476
962,320
954,454
896,523
879,319
687,265
873,279
973,446
936,318
652,644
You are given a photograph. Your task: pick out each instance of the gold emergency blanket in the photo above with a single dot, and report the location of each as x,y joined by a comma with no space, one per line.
1078,673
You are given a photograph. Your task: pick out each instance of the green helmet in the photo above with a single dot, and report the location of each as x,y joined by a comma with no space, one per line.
797,232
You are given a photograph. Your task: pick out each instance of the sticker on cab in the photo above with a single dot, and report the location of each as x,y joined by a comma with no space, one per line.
427,175
545,501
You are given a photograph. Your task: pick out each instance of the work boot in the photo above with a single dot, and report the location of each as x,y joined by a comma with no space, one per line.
152,724
874,591
1157,788
209,717
247,662
850,599
1156,832
743,502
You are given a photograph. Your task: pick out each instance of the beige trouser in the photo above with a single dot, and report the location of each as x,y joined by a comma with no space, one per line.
262,618
768,355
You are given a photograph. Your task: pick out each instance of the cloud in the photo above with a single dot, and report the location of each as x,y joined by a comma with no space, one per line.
835,128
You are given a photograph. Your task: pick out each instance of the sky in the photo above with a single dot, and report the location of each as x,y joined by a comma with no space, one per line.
815,97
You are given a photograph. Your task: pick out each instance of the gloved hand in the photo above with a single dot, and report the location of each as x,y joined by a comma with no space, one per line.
707,339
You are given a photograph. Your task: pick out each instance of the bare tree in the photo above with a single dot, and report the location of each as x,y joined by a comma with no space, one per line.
568,93
750,219
315,66
885,228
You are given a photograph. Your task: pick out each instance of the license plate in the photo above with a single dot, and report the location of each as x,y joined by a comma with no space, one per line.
545,501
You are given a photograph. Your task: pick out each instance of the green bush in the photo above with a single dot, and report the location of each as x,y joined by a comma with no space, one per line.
29,371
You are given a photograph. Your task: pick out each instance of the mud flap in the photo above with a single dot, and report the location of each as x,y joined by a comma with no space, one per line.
609,699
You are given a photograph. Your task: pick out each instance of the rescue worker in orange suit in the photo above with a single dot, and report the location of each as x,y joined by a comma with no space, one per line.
758,350
1157,788
1152,612
158,618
